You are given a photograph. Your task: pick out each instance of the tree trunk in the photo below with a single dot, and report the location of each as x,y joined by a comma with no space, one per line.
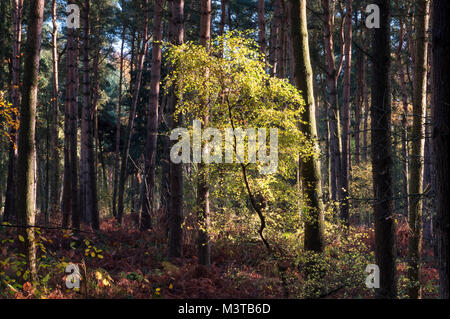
382,167
10,198
26,200
440,137
118,126
310,167
153,120
261,28
203,211
417,148
54,142
346,115
175,170
333,110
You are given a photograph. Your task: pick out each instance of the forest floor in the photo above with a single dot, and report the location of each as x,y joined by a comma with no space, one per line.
127,263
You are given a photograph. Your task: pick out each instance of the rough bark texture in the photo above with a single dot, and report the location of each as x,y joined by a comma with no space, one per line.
418,147
310,167
440,137
26,200
382,164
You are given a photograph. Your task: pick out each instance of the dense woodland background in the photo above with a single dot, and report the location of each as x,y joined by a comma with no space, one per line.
85,170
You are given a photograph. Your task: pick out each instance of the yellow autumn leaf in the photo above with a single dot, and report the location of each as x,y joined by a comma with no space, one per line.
21,238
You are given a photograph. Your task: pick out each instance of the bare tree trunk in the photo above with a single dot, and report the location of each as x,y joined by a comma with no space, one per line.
417,147
129,132
26,201
119,116
10,199
54,143
365,102
176,170
346,114
203,211
382,164
333,115
262,28
310,167
405,155
440,137
274,37
153,120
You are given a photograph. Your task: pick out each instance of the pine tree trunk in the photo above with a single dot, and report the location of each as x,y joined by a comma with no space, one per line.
54,143
346,115
440,137
261,28
10,198
382,164
26,201
333,110
418,147
153,120
118,126
175,170
203,211
310,167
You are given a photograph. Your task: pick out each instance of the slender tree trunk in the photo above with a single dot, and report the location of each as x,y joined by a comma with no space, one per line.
310,167
366,109
333,115
54,142
129,132
203,211
346,114
26,201
274,36
358,107
153,119
176,170
10,199
382,167
417,148
119,116
262,28
404,134
440,137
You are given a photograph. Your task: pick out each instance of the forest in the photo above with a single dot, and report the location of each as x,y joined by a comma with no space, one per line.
224,149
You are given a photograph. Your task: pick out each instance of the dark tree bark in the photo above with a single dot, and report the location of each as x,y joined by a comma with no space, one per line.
333,72
203,211
118,126
10,198
382,164
54,166
153,120
262,28
310,166
346,115
440,137
26,200
175,170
